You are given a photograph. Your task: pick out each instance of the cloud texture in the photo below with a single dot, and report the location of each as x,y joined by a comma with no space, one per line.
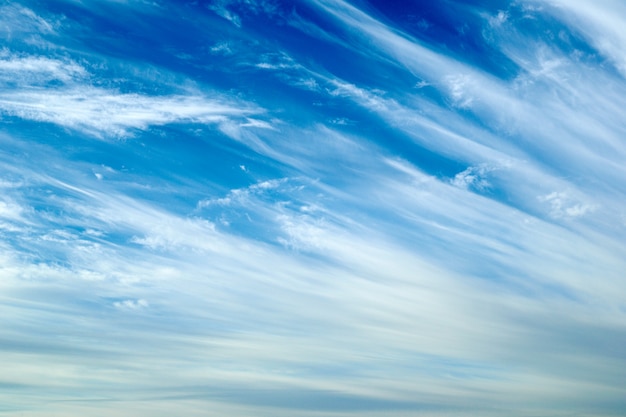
312,208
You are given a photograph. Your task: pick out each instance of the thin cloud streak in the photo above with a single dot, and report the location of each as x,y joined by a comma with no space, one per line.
104,113
94,110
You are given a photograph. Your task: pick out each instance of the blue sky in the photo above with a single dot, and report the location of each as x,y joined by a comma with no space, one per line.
312,208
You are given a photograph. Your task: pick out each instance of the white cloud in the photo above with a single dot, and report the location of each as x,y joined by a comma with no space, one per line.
11,211
18,20
562,205
500,18
558,119
131,304
473,178
303,233
29,70
71,100
458,92
601,22
386,42
221,8
107,113
223,48
242,195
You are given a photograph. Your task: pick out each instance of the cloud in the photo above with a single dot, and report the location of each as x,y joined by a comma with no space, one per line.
49,85
102,112
473,178
37,71
11,211
599,22
458,90
232,10
223,11
19,20
500,18
222,48
131,304
564,206
97,111
338,280
455,246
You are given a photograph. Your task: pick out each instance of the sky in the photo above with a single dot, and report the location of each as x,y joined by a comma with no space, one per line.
316,208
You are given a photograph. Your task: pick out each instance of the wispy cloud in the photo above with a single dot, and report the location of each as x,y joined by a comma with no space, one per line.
384,293
19,20
600,23
77,104
37,71
353,247
102,112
